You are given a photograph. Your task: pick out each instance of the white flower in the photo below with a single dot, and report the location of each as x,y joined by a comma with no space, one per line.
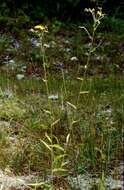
85,66
46,45
74,58
67,49
66,42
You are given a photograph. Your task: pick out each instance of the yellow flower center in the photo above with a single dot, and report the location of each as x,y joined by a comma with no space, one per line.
40,27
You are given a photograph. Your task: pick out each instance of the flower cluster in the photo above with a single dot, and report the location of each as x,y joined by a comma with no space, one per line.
39,29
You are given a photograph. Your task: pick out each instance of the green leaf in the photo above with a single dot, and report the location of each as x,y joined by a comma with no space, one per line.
47,136
59,170
59,157
57,146
46,145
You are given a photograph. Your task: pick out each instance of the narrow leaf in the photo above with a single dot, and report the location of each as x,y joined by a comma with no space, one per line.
59,157
72,105
55,122
67,138
46,145
84,92
64,163
47,136
57,146
59,170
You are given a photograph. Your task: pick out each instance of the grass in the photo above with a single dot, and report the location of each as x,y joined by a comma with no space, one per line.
99,114
71,134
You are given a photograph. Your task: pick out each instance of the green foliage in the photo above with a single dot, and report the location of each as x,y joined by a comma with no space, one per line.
4,147
56,26
112,24
4,43
63,10
11,109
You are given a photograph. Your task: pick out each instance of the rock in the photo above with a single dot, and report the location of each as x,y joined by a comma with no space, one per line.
87,182
4,124
35,42
53,97
23,68
11,62
11,181
20,76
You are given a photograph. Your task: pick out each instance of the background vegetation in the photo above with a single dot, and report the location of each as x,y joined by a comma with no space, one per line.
61,10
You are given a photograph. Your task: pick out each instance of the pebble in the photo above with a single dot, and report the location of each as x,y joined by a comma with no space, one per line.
20,76
53,97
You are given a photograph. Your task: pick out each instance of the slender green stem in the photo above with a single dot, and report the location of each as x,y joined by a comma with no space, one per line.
87,64
96,23
49,101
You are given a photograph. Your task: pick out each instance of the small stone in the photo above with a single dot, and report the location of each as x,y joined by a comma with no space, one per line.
53,97
35,42
66,42
19,76
67,49
23,68
11,62
4,124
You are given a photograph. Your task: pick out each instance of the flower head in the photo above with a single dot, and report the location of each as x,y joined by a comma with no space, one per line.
40,27
99,13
